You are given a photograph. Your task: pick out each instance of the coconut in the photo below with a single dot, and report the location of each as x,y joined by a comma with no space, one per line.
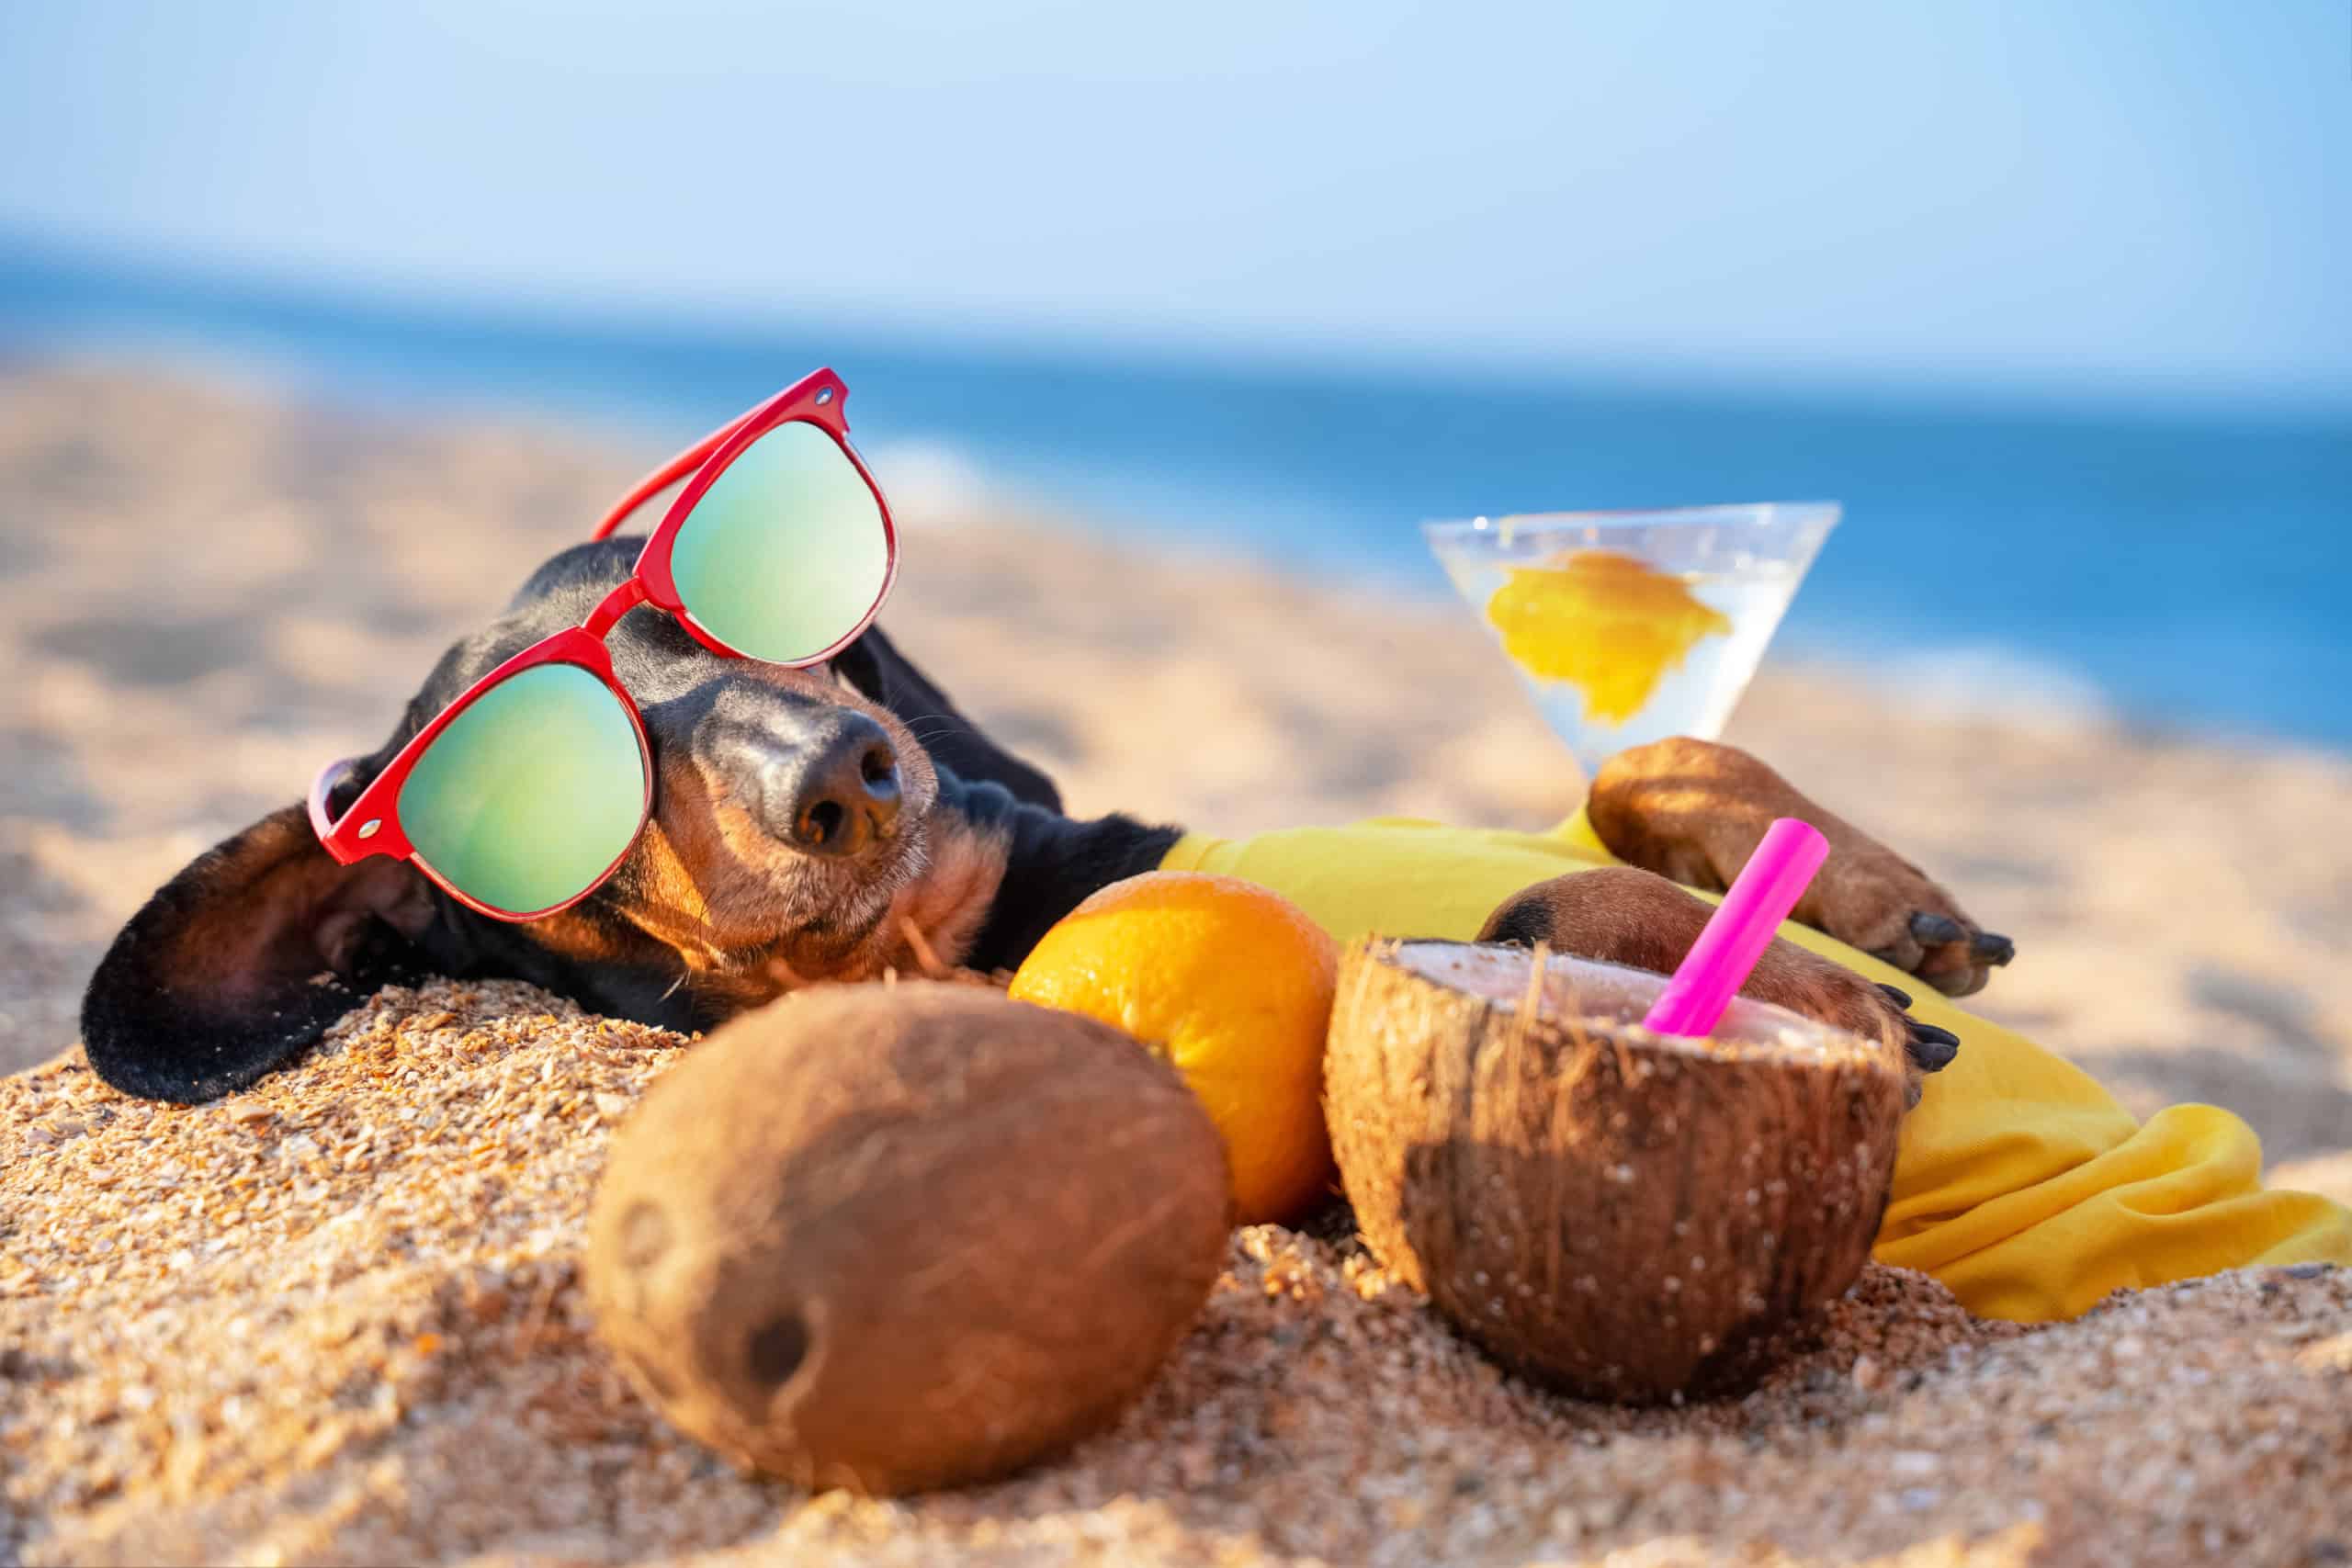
1616,1212
892,1237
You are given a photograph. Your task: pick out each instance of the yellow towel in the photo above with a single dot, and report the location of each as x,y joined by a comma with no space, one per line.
2020,1183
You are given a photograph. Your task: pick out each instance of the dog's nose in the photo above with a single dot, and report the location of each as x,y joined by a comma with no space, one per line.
844,792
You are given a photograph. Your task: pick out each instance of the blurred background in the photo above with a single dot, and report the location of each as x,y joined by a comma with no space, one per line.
320,324
2050,295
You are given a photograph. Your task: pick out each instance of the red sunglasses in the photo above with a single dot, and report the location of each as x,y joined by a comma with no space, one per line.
526,793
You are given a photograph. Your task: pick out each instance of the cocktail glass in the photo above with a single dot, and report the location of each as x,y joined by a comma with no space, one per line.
1630,627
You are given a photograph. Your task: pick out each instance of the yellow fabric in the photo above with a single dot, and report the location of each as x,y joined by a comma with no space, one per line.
2020,1183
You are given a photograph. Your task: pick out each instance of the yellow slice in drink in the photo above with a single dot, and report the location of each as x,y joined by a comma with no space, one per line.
1606,623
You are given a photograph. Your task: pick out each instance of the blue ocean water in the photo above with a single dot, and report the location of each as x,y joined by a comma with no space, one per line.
2188,569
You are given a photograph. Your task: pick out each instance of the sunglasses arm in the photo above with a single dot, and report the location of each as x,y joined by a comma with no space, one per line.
323,825
668,474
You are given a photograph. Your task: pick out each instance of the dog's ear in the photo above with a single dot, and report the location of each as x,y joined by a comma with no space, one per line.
877,671
242,961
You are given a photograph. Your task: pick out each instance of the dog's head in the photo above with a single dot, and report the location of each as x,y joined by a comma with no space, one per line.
797,834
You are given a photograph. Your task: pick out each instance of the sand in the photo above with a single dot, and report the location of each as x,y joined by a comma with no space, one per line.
337,1319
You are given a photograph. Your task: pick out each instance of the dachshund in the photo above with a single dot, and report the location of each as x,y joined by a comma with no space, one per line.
841,821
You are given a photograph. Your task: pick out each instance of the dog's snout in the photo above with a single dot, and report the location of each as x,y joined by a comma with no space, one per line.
841,790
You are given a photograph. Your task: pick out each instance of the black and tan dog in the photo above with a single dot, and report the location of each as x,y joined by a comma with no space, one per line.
834,823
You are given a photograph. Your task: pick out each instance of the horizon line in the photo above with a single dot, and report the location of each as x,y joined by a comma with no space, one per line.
187,276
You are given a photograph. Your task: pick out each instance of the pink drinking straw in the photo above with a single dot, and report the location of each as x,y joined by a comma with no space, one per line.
1720,962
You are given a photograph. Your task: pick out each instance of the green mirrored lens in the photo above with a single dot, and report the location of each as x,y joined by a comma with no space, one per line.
530,793
786,553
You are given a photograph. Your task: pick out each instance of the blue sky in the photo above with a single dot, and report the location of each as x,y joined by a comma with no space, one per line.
2142,199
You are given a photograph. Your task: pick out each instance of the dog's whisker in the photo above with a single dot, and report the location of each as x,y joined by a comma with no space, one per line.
924,955
939,726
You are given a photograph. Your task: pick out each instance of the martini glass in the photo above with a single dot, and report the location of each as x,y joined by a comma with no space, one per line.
1630,627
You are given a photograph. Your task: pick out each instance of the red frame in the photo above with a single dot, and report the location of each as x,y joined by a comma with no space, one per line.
371,825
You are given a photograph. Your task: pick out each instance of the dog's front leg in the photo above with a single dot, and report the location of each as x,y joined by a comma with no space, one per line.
1619,915
1693,811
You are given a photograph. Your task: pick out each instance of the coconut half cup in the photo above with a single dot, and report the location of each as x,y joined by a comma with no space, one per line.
1623,1215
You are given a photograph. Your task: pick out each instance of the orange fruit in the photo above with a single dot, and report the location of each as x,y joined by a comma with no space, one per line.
1232,984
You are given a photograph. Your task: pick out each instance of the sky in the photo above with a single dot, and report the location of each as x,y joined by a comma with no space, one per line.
2142,198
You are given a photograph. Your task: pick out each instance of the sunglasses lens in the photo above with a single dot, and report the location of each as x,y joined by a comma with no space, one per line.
785,553
531,792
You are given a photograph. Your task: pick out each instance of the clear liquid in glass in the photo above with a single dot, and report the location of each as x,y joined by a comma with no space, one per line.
1630,627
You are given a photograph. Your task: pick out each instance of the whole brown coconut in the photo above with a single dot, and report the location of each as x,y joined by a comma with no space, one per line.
1614,1211
892,1237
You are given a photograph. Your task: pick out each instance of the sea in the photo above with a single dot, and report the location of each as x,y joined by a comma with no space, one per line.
2185,571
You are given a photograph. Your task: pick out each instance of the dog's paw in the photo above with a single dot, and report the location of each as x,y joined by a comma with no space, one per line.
1870,897
1806,983
1619,914
1926,1047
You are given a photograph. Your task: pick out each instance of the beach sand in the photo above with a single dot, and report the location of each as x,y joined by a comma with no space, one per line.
337,1319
